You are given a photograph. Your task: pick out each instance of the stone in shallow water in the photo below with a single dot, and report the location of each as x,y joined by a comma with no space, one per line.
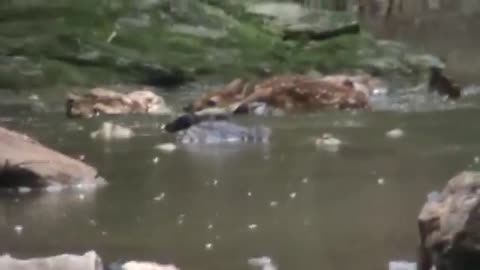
264,263
395,133
328,142
166,147
214,132
88,261
134,265
402,265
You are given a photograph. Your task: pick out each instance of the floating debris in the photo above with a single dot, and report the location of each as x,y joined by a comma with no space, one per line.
210,226
305,180
476,159
273,204
54,188
109,131
293,195
381,181
215,182
155,160
134,265
249,194
84,186
252,226
328,142
111,36
92,222
81,197
166,147
160,197
104,233
395,133
265,263
402,265
18,229
208,246
34,97
180,219
24,190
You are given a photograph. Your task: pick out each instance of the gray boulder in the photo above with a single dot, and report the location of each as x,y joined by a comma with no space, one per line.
449,226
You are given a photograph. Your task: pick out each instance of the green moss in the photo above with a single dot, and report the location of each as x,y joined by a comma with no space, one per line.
66,42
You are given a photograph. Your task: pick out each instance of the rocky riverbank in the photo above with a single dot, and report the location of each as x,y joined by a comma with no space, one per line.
57,44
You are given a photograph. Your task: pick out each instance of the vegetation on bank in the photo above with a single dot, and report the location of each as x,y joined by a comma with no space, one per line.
49,43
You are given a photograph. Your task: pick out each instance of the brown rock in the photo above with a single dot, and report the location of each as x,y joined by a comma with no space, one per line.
24,162
449,225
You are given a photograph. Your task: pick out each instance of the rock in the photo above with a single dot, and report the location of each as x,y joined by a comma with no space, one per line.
221,131
401,265
328,142
198,31
300,23
133,265
212,126
106,101
449,226
27,163
110,131
88,261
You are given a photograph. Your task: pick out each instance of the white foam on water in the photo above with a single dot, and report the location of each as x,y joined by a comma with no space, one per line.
18,229
402,265
264,263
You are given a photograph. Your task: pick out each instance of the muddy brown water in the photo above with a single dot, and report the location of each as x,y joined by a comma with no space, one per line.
216,207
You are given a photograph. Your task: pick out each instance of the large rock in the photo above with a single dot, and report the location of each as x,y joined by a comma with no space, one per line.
449,226
88,261
24,162
212,126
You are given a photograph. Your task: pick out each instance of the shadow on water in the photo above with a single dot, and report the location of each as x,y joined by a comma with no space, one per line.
214,208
